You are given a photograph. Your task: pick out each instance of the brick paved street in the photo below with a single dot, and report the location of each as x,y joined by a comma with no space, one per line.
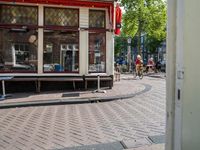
56,127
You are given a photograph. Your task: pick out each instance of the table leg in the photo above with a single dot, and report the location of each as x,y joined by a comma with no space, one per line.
74,85
3,88
2,97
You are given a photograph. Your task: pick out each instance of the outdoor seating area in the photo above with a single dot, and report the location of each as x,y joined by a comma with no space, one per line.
40,80
95,78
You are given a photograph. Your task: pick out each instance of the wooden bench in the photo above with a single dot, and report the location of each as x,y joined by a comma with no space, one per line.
25,79
49,78
60,79
95,78
73,79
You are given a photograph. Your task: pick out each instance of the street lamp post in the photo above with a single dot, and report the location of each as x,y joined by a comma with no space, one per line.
129,54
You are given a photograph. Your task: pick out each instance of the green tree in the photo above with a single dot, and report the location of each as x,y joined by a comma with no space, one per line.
120,44
152,43
145,17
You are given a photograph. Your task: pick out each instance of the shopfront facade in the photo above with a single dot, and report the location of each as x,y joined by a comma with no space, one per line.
56,38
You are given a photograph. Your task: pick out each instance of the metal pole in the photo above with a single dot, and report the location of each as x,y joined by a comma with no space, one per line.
98,83
129,58
129,54
98,86
3,88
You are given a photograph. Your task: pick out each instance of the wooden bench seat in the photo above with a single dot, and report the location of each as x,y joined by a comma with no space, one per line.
85,79
39,79
60,79
24,79
95,78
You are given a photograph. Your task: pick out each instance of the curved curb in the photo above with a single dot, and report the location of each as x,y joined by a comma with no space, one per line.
73,101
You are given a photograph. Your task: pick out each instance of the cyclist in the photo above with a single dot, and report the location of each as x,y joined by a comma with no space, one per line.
139,67
150,65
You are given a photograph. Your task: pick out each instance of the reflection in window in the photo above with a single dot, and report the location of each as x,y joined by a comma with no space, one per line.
61,17
18,50
13,14
61,51
97,19
97,52
20,53
48,55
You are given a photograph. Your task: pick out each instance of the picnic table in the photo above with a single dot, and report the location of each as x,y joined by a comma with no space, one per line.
3,79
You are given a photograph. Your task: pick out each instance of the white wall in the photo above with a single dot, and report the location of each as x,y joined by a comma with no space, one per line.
191,84
185,133
40,39
109,53
83,40
170,67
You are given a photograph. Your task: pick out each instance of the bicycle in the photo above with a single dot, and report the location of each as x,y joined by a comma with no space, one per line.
139,71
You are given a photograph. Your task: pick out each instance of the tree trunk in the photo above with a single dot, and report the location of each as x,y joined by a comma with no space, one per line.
140,26
139,39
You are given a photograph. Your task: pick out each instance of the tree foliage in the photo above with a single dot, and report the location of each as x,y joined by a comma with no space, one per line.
120,45
152,43
145,17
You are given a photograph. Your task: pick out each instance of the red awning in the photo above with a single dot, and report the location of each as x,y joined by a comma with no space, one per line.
89,3
118,19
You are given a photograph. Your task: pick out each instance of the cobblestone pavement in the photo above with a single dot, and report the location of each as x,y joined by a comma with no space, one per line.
56,127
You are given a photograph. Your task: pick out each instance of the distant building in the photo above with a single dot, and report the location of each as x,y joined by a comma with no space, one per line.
162,52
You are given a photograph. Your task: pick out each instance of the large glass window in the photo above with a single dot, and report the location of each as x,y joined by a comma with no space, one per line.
97,19
61,48
14,14
18,46
61,51
97,52
62,17
18,50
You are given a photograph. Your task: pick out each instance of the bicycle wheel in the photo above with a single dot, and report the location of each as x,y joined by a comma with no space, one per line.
141,73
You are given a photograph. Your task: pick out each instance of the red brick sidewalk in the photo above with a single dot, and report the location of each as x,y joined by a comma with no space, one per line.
69,126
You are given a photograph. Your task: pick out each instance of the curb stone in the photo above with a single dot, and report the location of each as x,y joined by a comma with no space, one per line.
73,100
